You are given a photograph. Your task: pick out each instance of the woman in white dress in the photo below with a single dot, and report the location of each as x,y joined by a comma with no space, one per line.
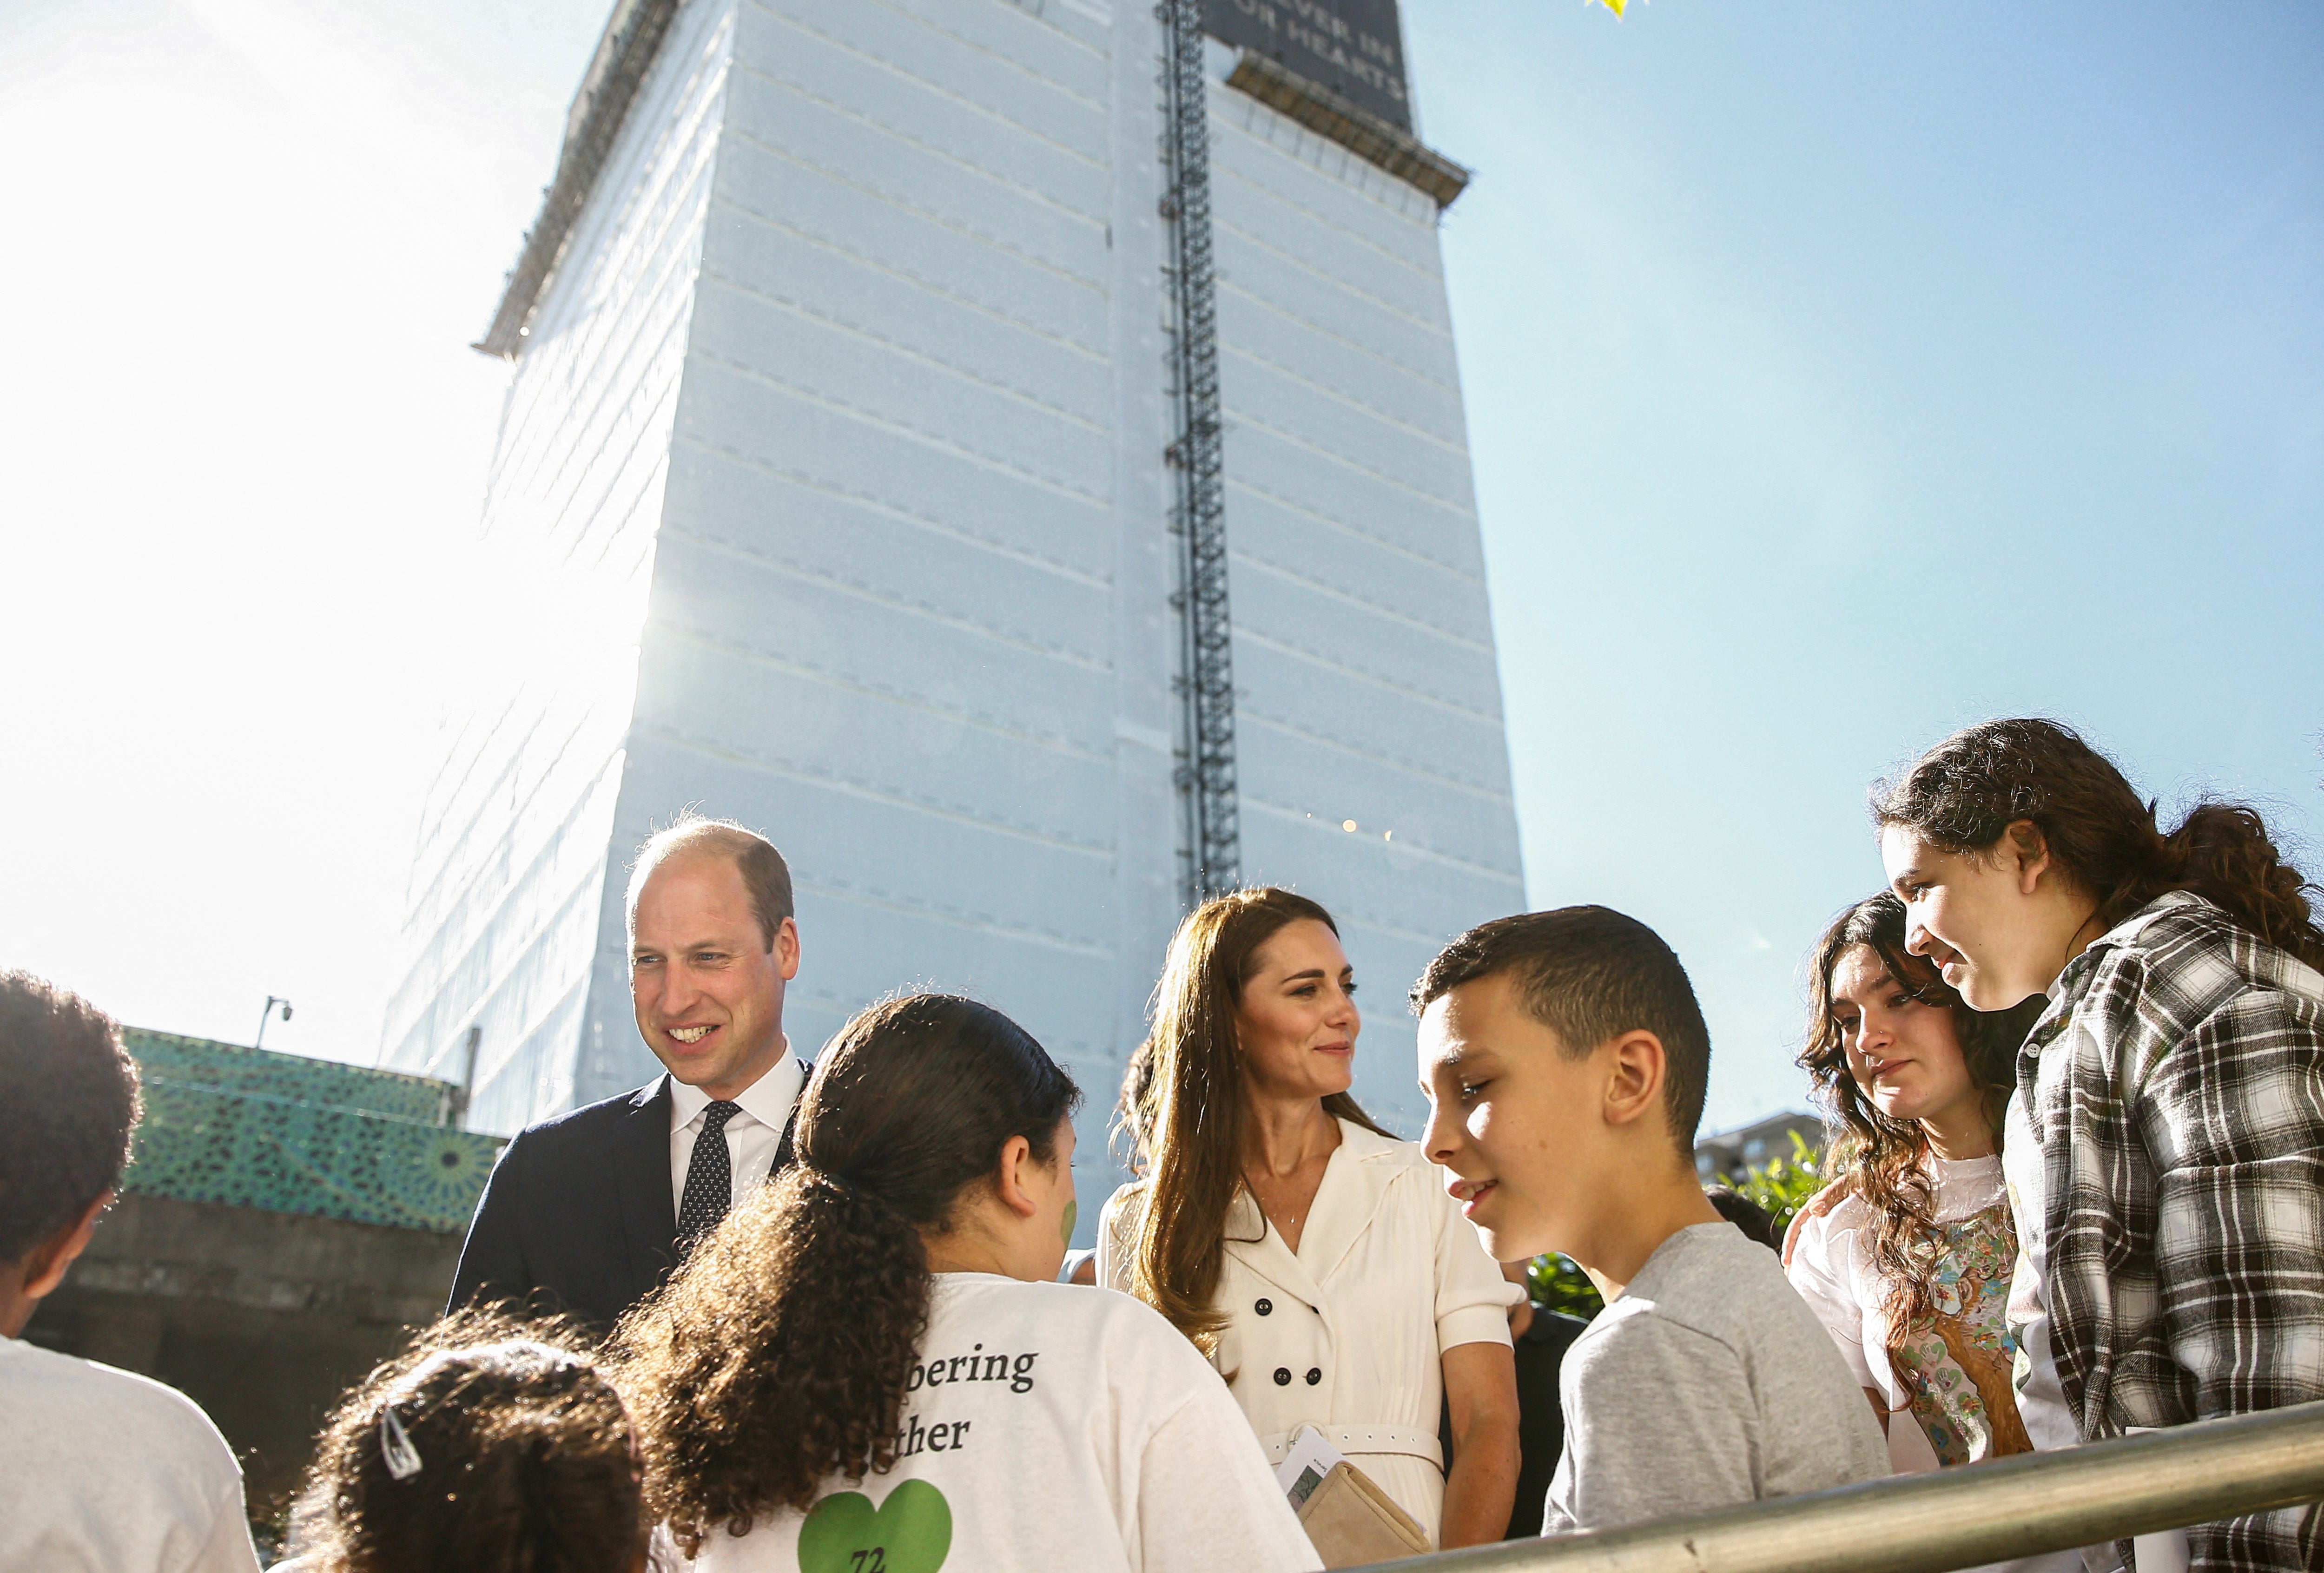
865,1368
1906,1256
1315,1259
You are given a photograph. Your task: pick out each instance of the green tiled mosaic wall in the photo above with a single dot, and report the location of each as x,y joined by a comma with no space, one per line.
247,1127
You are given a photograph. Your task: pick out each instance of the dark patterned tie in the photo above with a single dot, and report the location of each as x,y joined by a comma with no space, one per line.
709,1175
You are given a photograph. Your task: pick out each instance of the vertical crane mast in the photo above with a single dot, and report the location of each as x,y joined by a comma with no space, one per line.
1207,778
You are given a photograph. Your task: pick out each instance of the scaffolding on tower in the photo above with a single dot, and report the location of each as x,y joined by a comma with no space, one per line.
1206,778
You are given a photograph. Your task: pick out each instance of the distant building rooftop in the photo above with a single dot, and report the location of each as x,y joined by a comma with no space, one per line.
1723,1157
281,1132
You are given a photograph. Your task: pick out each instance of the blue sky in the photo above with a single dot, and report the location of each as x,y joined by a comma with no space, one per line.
1836,375
1839,374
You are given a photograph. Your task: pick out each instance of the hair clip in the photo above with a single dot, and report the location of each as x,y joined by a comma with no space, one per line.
395,1445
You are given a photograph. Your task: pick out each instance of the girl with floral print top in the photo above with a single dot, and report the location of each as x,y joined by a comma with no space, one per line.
1906,1256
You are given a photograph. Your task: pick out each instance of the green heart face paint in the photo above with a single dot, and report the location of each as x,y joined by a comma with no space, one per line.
1066,1226
911,1532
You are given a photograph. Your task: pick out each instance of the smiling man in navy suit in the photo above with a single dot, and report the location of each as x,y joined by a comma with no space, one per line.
587,1212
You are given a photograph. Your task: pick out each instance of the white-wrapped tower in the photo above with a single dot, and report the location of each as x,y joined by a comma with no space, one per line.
848,458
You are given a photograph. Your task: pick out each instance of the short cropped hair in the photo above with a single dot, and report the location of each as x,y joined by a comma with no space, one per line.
764,873
68,1104
1589,973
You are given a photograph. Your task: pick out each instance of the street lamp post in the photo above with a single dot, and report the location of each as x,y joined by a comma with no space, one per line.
272,1001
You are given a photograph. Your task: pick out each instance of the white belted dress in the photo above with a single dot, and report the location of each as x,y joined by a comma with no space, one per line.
1347,1333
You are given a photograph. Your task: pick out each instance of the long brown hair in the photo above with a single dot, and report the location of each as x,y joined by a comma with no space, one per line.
1190,1129
1963,795
1880,1158
777,1356
491,1444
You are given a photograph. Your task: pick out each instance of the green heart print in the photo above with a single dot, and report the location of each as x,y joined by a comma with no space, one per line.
911,1532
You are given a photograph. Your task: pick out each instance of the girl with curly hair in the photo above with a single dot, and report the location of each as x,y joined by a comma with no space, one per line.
866,1368
1317,1260
491,1446
1906,1256
2165,1146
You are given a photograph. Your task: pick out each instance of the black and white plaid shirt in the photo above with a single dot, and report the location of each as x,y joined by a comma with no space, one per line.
2176,1087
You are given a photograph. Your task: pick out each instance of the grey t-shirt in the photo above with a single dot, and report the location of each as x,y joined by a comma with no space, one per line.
1709,1382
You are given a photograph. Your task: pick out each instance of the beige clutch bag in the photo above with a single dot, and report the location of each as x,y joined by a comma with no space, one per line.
1352,1521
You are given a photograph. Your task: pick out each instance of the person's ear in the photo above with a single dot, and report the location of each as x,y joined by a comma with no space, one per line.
46,1263
1009,1181
787,949
2029,848
1635,1066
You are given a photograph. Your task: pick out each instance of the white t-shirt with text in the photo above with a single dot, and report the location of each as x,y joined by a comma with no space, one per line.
1047,1426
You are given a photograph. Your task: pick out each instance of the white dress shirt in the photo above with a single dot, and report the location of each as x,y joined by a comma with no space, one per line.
751,1135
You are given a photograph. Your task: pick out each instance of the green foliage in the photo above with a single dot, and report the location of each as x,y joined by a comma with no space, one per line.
1784,1186
1558,1283
1781,1185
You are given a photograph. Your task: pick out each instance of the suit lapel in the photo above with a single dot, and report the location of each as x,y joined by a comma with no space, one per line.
641,1159
785,1154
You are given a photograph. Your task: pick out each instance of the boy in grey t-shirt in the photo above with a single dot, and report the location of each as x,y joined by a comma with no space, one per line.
1565,1060
1708,1383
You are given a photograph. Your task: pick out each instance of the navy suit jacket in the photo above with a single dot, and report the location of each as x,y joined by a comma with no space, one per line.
577,1216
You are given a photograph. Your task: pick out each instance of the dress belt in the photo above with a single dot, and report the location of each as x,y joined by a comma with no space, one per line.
1363,1439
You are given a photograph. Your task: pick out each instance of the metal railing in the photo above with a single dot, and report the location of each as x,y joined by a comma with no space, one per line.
1960,1517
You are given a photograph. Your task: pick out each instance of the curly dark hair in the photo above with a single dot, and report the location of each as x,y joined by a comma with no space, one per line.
1880,1158
525,1454
1963,795
777,1354
69,1100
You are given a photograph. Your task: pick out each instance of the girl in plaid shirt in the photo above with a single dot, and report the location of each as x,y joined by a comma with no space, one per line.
2165,1146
